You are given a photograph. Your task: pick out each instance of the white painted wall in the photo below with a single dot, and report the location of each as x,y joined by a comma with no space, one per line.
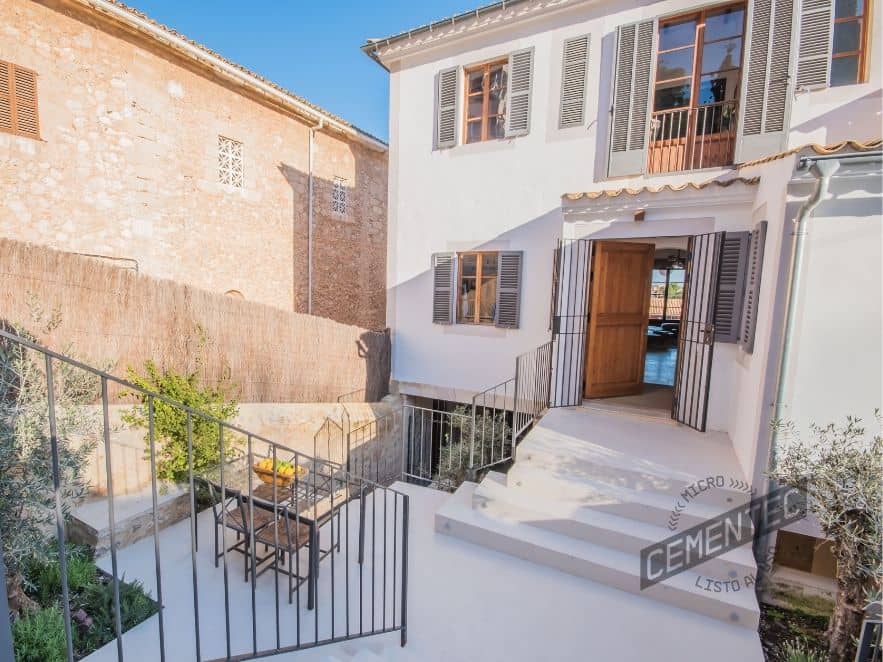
506,195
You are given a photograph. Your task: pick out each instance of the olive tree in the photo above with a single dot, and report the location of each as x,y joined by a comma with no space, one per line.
839,467
27,492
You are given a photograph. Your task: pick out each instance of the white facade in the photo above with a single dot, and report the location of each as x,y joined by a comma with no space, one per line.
507,195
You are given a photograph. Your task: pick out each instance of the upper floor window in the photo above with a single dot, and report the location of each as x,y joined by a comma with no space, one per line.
229,161
477,288
697,84
18,101
849,48
338,196
486,101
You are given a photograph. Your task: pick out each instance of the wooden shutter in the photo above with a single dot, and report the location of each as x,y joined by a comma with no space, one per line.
631,91
447,84
814,45
443,288
574,74
509,289
768,88
18,101
518,93
752,286
731,286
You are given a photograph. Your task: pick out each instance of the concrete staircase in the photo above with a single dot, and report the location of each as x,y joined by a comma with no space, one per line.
588,508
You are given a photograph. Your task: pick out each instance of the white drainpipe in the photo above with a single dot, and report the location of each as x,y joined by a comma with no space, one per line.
312,152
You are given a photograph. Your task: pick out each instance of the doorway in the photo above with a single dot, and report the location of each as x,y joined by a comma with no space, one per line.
636,295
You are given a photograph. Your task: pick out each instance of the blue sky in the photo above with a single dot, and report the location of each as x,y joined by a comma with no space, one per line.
309,48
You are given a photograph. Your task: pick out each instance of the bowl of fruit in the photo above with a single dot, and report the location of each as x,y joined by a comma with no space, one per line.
283,474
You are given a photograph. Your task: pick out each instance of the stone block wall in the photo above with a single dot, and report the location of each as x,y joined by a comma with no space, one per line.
127,167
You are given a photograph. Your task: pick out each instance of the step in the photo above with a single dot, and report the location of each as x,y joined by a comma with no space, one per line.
617,569
656,508
599,528
598,464
133,517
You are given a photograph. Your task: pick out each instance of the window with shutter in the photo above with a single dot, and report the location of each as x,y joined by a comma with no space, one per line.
731,287
768,87
849,42
18,101
509,289
442,288
446,108
519,92
814,45
752,286
574,74
631,89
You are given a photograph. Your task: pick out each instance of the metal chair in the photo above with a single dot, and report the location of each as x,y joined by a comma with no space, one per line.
286,536
234,514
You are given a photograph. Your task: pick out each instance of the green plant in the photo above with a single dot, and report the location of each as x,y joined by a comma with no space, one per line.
42,576
170,421
27,493
840,471
492,443
39,637
798,650
136,605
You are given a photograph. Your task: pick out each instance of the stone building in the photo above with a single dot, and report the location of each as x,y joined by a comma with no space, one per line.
122,139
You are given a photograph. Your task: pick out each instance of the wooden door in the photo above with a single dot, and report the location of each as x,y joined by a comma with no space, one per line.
618,312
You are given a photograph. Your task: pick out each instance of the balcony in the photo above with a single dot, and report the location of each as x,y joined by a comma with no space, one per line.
692,138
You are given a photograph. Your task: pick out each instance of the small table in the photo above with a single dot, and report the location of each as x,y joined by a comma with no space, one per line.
311,498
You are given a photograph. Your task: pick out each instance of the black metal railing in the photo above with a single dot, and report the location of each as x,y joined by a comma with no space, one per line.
442,448
340,536
693,138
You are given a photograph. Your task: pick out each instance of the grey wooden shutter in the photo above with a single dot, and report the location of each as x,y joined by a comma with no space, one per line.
509,289
731,286
518,93
447,88
752,286
814,45
443,290
631,93
574,74
768,88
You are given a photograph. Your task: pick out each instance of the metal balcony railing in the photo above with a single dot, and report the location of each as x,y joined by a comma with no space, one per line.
692,138
348,528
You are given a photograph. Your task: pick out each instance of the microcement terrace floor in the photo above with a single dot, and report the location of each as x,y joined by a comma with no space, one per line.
465,603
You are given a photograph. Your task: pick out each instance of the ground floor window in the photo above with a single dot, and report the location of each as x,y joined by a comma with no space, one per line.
477,287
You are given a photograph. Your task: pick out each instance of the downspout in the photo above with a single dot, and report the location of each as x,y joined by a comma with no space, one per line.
312,152
822,170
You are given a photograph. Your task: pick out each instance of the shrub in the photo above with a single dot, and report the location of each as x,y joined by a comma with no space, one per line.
39,637
97,601
492,442
170,422
27,494
798,650
43,576
840,471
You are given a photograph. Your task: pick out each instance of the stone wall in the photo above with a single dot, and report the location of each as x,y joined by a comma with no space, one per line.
127,167
375,440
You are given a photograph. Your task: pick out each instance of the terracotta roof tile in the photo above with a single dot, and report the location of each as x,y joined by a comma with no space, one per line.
614,193
854,145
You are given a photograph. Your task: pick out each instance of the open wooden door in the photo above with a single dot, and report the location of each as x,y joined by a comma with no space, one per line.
696,336
618,311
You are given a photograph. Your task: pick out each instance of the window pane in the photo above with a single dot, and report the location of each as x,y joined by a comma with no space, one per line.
676,276
496,102
488,299
675,64
844,70
468,262
496,127
473,131
727,23
847,36
844,8
673,95
681,33
658,276
476,78
473,109
467,300
489,264
725,54
498,77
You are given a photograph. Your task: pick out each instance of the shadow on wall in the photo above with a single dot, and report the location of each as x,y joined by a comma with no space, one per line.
835,129
349,228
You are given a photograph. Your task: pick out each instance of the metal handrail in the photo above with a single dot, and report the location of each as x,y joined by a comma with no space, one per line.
693,137
341,485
